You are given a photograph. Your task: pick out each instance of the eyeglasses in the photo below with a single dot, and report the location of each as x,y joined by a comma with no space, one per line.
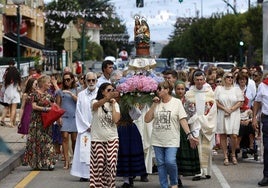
67,79
109,90
218,81
91,80
230,77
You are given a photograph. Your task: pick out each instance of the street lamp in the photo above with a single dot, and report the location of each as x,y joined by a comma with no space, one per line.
241,44
18,3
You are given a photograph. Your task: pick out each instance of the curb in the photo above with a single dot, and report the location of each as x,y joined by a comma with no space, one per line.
13,162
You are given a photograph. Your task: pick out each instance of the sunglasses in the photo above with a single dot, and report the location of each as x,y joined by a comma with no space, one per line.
67,79
109,90
160,88
255,75
230,77
218,81
91,80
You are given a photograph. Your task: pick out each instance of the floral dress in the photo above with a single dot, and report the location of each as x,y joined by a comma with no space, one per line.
40,150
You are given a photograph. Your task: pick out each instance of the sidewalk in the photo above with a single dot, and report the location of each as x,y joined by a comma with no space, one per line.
16,144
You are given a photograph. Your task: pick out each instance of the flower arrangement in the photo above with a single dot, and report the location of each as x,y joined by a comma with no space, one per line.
137,90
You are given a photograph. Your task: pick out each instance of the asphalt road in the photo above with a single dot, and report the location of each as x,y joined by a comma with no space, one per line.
246,174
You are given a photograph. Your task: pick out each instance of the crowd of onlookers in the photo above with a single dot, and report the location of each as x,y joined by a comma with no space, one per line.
98,141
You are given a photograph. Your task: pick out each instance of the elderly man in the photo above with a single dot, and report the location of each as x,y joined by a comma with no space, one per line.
200,106
81,159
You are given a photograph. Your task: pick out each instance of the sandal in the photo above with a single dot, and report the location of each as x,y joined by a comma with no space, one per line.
234,160
11,125
226,162
66,165
2,123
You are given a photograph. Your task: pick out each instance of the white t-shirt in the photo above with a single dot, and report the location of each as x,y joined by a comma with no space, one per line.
102,79
103,129
262,96
166,126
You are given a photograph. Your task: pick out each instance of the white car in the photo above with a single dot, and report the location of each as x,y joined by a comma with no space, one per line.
226,66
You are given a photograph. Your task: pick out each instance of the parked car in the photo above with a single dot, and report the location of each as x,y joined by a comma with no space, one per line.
226,66
190,64
179,63
204,65
161,65
96,67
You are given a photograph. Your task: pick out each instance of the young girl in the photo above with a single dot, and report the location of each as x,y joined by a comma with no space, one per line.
26,107
187,158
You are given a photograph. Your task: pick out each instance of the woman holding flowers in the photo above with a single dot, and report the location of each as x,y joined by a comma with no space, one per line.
167,113
104,140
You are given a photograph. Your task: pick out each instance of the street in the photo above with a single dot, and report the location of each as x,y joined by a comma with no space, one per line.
246,174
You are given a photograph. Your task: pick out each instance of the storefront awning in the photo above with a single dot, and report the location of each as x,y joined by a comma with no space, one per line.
24,41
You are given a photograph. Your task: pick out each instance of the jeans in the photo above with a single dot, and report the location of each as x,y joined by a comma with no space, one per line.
166,165
264,120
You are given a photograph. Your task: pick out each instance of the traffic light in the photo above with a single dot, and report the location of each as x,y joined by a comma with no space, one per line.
180,1
139,3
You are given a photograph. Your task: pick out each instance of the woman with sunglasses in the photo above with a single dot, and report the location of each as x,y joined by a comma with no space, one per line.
167,114
66,98
104,137
229,99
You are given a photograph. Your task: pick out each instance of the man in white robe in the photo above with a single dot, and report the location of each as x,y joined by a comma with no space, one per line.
81,159
203,120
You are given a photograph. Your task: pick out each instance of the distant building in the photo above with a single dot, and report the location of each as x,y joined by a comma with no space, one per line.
91,30
32,28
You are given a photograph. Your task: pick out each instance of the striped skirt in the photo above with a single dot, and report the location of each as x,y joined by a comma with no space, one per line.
103,161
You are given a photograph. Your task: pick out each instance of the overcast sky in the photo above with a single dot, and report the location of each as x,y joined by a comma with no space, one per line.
161,14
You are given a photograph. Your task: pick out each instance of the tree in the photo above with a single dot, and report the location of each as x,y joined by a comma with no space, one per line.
57,20
99,12
217,38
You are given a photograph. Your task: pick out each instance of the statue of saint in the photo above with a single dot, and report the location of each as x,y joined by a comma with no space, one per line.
141,31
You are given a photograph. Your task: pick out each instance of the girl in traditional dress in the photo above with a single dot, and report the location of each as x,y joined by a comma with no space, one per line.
187,157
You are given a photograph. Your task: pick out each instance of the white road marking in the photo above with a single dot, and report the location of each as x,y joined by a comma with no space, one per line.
220,177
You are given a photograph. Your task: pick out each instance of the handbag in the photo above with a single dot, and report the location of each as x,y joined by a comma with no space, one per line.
48,118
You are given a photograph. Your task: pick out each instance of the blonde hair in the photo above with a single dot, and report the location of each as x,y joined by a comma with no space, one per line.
224,77
42,79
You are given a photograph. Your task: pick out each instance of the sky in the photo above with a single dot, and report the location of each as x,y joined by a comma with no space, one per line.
161,14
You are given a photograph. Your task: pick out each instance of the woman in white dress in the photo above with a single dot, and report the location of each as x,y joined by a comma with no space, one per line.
229,99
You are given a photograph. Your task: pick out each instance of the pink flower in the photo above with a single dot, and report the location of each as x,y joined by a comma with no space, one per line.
138,83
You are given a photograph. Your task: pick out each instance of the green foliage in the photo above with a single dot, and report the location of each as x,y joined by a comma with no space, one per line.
217,37
128,100
54,31
99,12
94,51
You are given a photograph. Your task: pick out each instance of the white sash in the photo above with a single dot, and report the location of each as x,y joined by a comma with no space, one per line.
85,144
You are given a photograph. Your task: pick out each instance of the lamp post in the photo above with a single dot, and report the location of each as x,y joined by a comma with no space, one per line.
18,3
241,44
